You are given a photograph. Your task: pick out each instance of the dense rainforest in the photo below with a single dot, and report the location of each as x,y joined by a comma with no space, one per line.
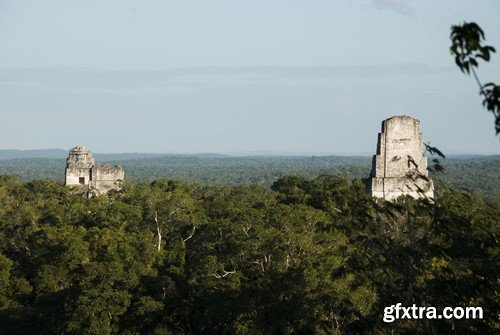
306,256
479,174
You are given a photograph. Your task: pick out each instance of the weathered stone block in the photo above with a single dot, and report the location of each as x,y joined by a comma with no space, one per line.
400,167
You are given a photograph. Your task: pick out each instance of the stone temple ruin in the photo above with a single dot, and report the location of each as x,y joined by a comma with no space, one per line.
81,170
400,167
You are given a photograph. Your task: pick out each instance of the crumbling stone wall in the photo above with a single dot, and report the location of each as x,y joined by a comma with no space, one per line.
106,177
82,171
400,167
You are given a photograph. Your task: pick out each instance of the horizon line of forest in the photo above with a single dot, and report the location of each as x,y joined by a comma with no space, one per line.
479,174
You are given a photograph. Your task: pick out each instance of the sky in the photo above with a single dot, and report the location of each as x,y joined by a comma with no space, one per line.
239,76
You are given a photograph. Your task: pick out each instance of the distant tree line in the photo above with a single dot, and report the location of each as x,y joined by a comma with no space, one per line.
479,174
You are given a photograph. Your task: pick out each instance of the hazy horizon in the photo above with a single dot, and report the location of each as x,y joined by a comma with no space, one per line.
247,153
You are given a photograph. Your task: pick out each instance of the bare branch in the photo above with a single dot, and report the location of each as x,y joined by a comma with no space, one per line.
190,235
226,273
246,230
158,231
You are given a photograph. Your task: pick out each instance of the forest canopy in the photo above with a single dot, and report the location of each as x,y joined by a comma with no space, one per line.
304,256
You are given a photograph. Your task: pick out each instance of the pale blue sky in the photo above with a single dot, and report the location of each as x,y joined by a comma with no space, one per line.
229,76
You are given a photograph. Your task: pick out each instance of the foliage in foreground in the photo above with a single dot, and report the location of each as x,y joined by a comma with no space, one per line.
312,257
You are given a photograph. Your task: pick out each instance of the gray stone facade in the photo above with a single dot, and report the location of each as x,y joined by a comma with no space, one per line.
81,170
400,167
